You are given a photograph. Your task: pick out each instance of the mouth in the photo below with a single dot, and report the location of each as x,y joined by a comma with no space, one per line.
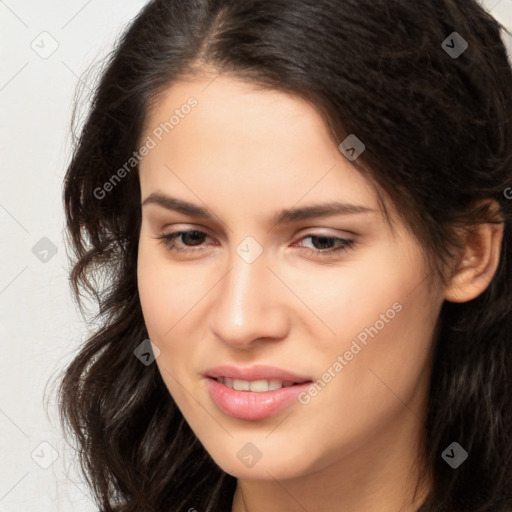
254,404
259,376
258,386
254,393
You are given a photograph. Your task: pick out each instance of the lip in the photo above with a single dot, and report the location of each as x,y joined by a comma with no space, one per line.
252,405
256,372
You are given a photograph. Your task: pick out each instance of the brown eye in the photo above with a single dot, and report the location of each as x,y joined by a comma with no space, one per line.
344,244
193,237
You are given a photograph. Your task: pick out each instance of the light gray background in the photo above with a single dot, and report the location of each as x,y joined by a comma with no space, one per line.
41,328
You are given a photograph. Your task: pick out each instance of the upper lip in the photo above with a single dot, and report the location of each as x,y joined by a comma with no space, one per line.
256,372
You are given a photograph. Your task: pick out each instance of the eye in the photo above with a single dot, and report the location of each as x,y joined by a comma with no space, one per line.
193,238
344,244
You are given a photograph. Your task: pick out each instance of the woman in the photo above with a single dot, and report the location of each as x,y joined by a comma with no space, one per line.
301,211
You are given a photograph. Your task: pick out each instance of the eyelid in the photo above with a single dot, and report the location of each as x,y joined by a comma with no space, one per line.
318,230
311,231
323,231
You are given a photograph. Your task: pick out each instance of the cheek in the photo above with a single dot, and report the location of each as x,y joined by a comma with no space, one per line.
385,355
376,382
351,300
383,319
152,295
161,311
171,300
167,292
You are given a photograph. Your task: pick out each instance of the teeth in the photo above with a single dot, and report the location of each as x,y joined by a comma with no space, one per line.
255,385
274,384
241,385
264,385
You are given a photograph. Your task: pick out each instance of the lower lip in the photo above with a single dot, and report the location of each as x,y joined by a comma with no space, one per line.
253,405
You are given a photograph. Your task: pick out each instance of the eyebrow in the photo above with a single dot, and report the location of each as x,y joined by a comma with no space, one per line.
287,215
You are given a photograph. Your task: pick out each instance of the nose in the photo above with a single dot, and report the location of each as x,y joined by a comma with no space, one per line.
249,304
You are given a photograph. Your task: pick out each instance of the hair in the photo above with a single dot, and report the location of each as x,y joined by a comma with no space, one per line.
438,138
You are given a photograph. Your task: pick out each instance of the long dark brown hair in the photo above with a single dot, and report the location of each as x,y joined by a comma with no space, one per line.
438,134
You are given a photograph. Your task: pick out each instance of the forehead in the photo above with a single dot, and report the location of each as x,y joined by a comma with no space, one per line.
239,113
239,141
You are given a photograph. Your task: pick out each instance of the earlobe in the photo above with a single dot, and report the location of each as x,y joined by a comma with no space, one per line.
478,264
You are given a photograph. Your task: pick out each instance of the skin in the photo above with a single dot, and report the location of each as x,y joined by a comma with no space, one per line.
244,154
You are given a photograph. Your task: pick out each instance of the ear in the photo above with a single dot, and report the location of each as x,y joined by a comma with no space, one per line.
478,261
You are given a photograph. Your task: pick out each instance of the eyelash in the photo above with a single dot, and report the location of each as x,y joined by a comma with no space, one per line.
168,241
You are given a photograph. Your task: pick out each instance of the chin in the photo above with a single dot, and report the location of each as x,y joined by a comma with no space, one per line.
268,467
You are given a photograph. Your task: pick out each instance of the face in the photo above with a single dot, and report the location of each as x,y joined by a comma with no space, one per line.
339,303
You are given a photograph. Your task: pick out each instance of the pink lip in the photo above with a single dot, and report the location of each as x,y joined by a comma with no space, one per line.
256,372
251,405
